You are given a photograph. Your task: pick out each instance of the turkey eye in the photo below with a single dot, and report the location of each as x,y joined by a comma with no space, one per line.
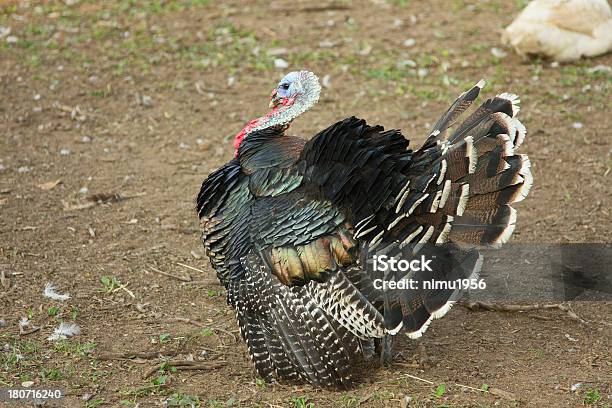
285,86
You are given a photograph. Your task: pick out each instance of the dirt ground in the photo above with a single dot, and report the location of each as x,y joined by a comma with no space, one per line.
142,99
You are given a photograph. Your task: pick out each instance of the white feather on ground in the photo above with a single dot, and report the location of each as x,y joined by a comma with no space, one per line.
564,30
65,330
52,294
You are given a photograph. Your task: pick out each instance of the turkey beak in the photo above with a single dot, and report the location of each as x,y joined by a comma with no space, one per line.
275,100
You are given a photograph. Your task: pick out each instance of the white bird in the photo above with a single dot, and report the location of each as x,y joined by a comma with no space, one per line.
563,30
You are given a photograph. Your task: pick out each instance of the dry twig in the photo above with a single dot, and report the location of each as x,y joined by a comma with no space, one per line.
181,278
6,283
185,365
523,308
24,332
191,267
207,282
134,355
186,320
124,288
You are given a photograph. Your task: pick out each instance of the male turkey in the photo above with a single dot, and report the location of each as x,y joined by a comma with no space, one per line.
290,225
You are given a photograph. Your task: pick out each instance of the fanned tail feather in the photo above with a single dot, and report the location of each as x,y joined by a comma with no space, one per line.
457,195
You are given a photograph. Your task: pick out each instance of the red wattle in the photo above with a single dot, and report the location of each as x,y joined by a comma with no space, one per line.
256,122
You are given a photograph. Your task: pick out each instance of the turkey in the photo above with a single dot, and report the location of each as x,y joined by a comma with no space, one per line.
564,30
291,225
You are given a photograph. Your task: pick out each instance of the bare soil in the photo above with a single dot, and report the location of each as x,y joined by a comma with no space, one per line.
143,98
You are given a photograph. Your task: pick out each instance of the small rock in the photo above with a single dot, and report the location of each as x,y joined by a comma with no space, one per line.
281,63
398,22
574,387
411,42
231,81
199,141
554,64
327,44
11,39
37,97
4,31
183,146
86,139
146,100
422,72
275,52
498,53
83,190
326,81
570,338
586,88
365,51
24,169
2,322
27,384
2,168
577,125
64,152
406,63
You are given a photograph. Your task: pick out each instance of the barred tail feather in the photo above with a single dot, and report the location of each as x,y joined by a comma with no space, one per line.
347,305
459,194
463,102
